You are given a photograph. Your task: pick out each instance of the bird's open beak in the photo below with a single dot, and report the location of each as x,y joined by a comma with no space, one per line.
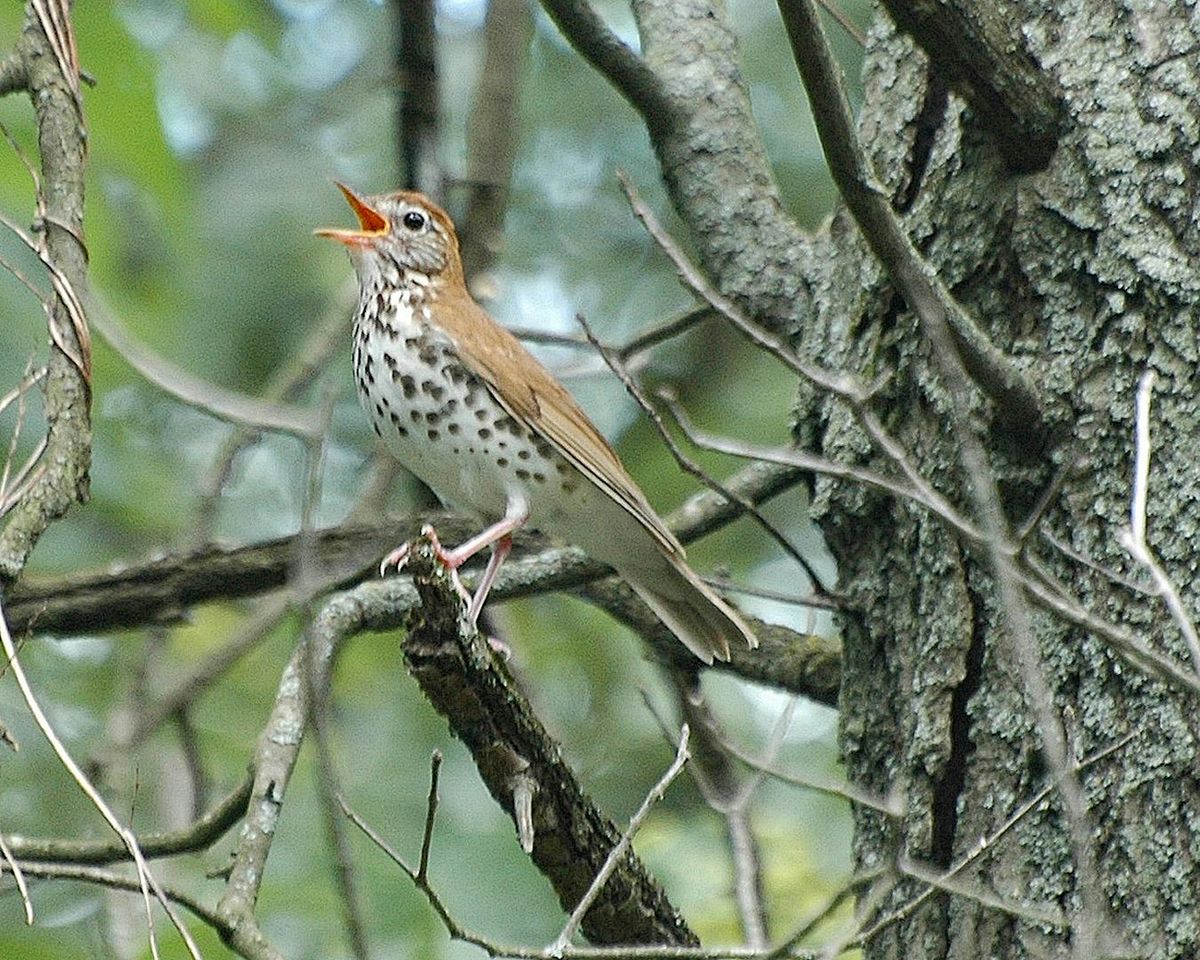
371,222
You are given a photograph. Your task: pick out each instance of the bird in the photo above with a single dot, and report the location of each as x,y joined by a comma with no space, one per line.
465,407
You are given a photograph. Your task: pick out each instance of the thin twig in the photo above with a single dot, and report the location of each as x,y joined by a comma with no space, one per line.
1134,539
815,463
216,401
435,768
146,878
964,357
690,466
118,881
200,834
843,385
19,879
30,380
987,844
618,851
726,584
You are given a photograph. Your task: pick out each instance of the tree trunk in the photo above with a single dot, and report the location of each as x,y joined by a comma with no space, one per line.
1084,273
1041,157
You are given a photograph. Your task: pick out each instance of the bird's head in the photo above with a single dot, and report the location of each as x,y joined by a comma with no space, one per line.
399,232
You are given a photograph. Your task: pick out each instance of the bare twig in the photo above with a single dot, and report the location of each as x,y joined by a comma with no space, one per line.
147,880
842,385
889,806
987,844
119,881
689,465
961,351
19,879
618,851
189,688
1018,402
1134,539
838,16
803,460
730,796
765,593
421,879
30,380
316,677
204,832
214,400
435,768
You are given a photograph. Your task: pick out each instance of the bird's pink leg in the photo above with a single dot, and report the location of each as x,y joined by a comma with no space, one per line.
397,558
499,533
500,551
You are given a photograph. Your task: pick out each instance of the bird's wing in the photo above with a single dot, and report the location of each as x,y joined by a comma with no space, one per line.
531,395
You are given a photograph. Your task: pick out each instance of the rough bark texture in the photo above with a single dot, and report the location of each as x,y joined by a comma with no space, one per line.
570,838
1085,274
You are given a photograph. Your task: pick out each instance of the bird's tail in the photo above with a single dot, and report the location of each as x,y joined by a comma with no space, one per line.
702,621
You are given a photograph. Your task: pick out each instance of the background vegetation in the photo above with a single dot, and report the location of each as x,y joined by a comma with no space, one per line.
215,130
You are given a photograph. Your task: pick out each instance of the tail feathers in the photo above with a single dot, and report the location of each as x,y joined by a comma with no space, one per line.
702,621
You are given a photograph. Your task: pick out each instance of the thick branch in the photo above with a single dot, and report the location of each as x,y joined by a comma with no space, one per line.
63,147
979,48
164,588
12,74
625,70
802,663
1018,404
492,132
521,765
417,109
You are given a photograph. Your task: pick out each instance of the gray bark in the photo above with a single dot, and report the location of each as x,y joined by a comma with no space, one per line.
1084,273
1079,263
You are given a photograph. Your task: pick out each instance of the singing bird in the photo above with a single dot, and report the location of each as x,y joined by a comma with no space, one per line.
464,406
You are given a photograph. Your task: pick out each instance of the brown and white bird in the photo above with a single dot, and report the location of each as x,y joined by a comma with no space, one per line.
464,406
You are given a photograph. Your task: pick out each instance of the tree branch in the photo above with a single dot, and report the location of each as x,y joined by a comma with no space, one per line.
492,133
197,836
979,48
62,145
1018,404
163,589
417,107
516,758
605,51
12,74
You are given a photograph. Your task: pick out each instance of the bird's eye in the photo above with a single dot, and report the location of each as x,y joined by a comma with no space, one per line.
414,220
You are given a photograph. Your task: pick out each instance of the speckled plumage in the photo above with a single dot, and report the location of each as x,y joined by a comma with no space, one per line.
437,416
457,399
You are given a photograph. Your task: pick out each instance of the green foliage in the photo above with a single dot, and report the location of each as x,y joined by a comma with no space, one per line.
216,128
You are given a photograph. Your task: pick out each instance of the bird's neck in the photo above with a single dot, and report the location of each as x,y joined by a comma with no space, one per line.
397,299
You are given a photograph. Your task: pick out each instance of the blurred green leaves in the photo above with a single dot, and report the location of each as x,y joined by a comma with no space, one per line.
216,128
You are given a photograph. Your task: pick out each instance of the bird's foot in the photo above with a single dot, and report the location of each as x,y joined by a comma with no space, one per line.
450,559
396,559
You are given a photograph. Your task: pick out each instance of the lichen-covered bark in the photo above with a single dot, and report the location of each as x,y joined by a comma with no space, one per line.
1086,274
62,145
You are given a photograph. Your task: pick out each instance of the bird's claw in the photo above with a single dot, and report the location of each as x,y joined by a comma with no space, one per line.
397,559
400,556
